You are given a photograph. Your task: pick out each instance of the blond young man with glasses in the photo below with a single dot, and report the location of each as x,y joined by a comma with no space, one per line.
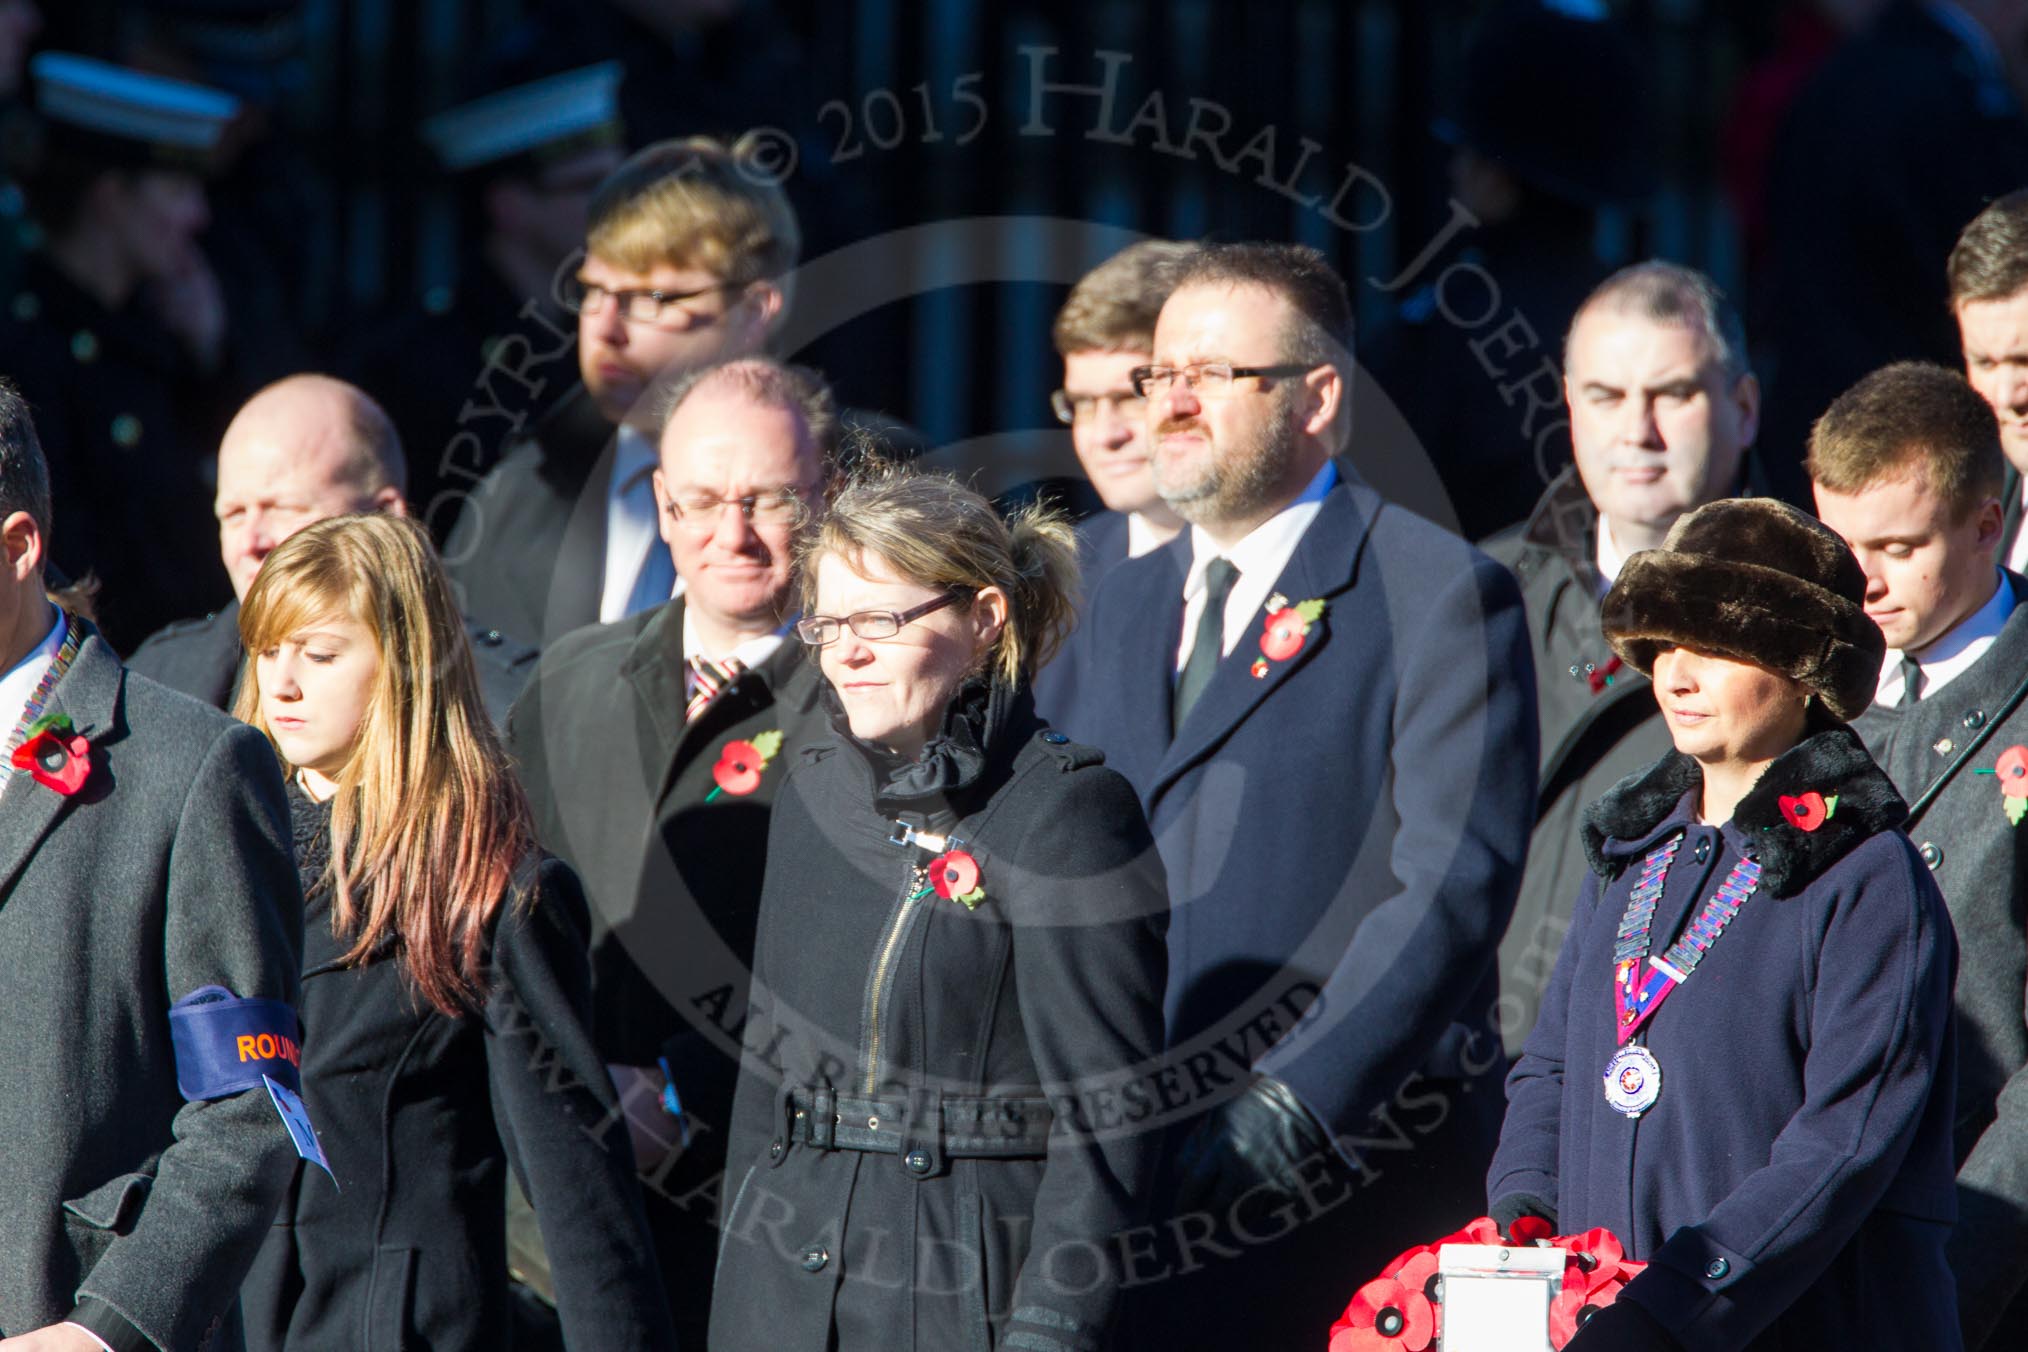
651,749
686,264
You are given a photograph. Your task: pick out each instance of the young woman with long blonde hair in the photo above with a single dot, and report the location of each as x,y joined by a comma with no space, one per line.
445,991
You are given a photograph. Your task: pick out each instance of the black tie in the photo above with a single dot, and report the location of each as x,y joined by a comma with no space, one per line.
1911,682
1209,645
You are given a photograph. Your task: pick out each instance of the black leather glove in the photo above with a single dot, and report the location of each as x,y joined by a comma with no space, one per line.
1256,1137
1622,1326
1506,1210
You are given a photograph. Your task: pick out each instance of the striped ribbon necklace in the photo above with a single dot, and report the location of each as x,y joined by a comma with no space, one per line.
66,651
1638,993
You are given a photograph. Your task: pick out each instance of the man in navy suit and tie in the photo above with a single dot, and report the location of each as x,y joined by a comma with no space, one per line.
1327,706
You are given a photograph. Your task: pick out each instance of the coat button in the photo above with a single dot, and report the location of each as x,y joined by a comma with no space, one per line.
491,638
1703,850
918,1161
775,1148
1976,719
815,1257
1931,855
1717,1268
1054,738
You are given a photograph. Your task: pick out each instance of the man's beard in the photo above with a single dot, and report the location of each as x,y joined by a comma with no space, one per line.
1237,481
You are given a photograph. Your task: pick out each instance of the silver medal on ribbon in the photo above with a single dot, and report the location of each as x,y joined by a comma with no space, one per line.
1633,1080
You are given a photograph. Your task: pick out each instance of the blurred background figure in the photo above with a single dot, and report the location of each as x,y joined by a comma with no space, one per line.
117,331
1551,131
1906,131
1988,280
525,155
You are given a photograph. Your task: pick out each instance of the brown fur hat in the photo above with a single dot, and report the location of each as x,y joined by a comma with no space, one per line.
1756,580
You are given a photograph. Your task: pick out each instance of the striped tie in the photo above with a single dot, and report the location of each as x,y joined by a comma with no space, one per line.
709,679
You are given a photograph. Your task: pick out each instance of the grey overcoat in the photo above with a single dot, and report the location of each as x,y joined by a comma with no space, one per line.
121,1205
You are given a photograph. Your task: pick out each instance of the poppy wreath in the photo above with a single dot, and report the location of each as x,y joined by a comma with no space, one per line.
741,764
1402,1309
54,755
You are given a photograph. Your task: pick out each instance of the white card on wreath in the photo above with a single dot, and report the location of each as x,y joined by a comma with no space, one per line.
1496,1296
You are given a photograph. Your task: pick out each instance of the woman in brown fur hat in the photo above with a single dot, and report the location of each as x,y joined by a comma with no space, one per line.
1775,1144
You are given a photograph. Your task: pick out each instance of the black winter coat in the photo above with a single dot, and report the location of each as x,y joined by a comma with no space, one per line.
914,1160
420,1113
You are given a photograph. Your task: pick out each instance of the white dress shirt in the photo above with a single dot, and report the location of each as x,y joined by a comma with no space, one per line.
1142,537
1954,654
1260,558
19,683
630,521
1608,557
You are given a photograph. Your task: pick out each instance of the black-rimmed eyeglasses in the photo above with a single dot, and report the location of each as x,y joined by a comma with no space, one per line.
819,630
641,304
1208,379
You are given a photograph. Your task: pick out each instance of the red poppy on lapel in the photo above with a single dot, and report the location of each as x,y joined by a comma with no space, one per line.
1807,812
54,755
741,763
1287,627
955,877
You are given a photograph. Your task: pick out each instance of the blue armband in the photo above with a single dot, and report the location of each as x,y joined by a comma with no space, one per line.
225,1044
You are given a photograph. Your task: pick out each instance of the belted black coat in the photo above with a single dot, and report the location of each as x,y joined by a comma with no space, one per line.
884,1013
421,1115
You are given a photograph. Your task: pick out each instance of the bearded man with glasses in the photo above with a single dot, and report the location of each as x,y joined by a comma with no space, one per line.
651,749
1326,704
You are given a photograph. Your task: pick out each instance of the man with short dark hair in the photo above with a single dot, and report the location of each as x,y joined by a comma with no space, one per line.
1907,467
1988,278
1326,706
622,740
1663,412
305,448
151,925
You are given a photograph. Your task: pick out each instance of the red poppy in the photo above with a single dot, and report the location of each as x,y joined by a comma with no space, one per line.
1575,1304
954,874
1805,813
1598,678
2012,768
1284,636
1385,1316
739,768
56,758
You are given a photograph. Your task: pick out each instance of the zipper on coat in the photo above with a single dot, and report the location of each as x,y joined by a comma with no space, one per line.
914,888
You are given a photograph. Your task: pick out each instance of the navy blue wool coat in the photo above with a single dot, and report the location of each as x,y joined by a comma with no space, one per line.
1793,1185
1343,837
1349,824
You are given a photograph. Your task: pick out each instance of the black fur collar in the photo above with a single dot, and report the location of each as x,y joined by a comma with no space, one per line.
1832,761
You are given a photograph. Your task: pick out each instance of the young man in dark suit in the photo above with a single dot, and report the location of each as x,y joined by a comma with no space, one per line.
305,448
144,860
1327,706
652,748
1907,467
686,263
